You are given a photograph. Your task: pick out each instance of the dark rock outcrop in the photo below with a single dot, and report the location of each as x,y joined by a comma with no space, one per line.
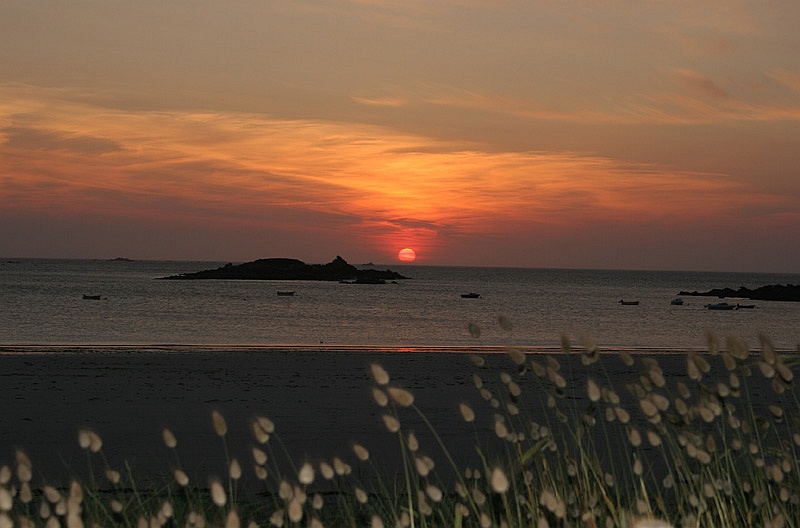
772,292
291,269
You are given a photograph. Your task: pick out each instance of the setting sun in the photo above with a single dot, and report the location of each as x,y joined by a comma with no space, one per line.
407,255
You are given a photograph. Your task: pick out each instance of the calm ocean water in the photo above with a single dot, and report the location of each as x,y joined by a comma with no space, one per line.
42,304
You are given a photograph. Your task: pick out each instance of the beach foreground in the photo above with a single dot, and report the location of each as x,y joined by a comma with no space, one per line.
465,411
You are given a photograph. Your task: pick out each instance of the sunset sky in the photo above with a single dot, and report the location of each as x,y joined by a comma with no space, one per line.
592,134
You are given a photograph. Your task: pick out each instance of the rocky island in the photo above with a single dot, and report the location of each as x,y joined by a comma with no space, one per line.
292,269
772,292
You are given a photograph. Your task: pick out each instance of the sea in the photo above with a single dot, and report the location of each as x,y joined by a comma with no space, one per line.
151,353
42,304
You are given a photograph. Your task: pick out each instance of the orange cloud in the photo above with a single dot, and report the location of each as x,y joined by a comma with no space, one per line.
63,156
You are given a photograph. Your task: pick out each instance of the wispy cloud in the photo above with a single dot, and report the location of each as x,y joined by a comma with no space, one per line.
788,78
380,101
246,167
702,84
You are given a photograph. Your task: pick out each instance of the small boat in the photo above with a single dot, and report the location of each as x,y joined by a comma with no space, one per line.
629,303
91,297
721,306
470,295
745,306
285,293
676,302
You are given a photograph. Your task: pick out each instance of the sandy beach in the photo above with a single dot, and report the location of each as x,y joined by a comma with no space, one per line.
320,401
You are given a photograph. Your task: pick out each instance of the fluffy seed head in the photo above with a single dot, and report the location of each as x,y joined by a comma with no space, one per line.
88,439
538,369
648,407
317,502
392,424
768,350
295,510
729,361
593,390
266,424
361,452
500,428
340,467
474,330
653,438
232,520
767,370
421,466
24,466
626,358
401,397
635,437
52,494
25,493
412,442
218,493
6,501
499,481
276,519
379,374
517,356
466,412
285,491
477,360
306,474
361,496
113,476
638,469
181,477
556,378
434,493
622,415
380,397
692,370
262,437
702,363
259,456
235,470
75,492
169,438
784,372
219,423
326,470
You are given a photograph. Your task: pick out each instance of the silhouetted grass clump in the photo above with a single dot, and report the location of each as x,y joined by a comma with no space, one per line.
572,442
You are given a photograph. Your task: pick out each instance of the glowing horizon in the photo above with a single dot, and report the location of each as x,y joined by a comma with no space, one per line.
695,171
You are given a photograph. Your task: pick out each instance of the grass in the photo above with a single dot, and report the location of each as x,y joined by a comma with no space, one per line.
571,443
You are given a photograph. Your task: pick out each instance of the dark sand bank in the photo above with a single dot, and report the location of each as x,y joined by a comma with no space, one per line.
320,401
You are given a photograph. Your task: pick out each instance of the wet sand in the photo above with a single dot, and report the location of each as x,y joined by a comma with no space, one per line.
320,401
